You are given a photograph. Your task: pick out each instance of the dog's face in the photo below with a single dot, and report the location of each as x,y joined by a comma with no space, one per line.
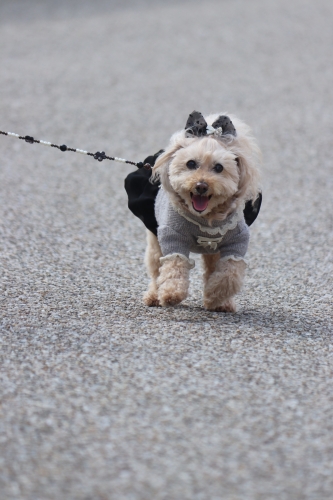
204,175
210,175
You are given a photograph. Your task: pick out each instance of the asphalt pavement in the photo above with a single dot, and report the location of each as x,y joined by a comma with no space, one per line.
102,398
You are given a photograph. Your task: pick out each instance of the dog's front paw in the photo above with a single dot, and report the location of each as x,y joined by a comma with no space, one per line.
169,294
222,285
150,299
228,305
173,281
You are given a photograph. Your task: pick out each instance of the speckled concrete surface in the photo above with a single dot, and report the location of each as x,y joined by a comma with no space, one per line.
101,397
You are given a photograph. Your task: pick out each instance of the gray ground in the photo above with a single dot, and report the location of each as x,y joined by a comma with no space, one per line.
101,397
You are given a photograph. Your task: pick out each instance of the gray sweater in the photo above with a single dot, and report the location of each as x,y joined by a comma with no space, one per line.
181,233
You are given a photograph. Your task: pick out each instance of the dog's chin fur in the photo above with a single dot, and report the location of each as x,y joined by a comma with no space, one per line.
227,191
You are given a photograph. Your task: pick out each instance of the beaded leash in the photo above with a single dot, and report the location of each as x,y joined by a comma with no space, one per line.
100,156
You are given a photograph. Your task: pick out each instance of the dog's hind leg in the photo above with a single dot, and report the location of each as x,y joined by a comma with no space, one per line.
222,280
152,260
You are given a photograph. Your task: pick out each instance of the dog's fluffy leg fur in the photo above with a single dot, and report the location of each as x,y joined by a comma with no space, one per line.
173,281
152,260
222,280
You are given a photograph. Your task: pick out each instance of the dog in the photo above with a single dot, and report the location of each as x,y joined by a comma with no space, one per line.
205,182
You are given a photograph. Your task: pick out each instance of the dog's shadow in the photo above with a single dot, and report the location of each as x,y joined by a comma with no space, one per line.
259,319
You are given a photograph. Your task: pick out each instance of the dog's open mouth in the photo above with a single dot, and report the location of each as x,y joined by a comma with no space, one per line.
200,203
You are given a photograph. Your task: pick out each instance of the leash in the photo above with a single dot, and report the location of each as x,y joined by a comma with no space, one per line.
99,155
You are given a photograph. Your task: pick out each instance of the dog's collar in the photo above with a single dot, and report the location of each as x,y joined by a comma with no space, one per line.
224,226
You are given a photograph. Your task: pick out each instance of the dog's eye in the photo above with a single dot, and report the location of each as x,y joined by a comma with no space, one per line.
191,164
218,168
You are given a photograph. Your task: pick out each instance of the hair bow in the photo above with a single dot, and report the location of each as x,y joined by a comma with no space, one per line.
196,126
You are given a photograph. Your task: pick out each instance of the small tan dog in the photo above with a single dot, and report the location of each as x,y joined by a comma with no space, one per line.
207,173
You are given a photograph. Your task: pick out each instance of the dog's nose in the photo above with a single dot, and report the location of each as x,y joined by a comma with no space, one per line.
201,188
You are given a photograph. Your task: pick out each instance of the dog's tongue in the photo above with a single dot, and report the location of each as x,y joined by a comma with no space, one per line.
200,202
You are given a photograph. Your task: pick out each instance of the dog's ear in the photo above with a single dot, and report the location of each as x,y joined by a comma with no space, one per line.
248,184
160,169
248,158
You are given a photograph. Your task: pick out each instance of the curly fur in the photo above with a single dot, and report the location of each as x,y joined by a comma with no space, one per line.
240,157
222,280
173,281
152,261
